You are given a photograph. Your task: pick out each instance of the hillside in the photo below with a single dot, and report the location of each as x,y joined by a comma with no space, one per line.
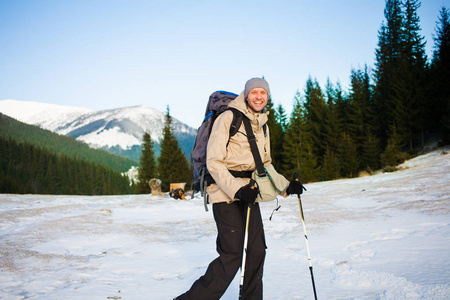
118,131
60,144
30,169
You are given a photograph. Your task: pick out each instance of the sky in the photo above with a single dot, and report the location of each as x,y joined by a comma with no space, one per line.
106,54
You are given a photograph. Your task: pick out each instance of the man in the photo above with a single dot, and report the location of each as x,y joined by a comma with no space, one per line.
230,163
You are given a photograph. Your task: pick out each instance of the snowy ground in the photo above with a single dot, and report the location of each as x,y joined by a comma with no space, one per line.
378,237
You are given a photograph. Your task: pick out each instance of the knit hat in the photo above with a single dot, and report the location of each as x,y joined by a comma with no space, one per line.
256,83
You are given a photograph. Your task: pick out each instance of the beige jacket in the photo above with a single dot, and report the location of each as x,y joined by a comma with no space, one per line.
237,156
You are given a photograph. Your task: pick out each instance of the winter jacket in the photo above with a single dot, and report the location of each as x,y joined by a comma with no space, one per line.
237,155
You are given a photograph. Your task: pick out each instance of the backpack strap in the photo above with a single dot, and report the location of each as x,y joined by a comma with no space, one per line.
237,121
254,148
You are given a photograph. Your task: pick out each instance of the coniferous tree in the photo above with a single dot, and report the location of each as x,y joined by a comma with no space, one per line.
393,154
334,96
360,99
387,57
348,156
276,135
330,168
293,141
173,166
298,150
147,169
439,106
370,154
362,118
409,81
317,119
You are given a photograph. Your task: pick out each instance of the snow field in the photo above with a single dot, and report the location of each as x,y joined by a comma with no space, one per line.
380,237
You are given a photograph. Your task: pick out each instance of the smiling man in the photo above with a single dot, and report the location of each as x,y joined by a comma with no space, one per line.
256,96
230,162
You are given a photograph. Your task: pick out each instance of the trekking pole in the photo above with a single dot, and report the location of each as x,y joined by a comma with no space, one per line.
297,178
244,252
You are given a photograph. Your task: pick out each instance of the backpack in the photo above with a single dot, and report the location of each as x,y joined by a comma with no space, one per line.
217,104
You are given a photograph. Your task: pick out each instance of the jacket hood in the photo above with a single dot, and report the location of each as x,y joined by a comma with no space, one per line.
255,118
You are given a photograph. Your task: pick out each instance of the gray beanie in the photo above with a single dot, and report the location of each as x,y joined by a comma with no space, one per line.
256,83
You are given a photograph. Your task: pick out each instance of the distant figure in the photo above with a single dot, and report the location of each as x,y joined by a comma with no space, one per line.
155,186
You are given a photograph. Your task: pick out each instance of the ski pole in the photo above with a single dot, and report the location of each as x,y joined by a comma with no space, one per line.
297,178
244,252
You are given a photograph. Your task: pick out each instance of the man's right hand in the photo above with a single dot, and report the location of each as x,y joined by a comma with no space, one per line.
248,193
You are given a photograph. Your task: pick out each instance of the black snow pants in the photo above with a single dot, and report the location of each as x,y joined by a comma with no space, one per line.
230,220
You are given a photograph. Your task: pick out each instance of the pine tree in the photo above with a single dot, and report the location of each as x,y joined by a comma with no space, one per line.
298,151
293,140
147,169
439,107
387,57
361,117
409,81
348,156
370,155
334,96
276,136
331,169
173,166
317,119
393,155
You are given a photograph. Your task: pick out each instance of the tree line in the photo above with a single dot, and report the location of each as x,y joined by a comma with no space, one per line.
389,113
61,144
27,168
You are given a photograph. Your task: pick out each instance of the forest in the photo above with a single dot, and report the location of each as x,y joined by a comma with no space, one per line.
61,144
27,168
393,111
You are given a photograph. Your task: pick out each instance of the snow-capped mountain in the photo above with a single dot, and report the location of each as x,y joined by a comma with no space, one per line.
44,115
119,129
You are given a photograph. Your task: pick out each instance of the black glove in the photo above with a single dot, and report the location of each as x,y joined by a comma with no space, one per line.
295,187
248,193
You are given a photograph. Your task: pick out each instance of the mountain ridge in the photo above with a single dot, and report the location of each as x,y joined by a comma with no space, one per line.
60,144
116,130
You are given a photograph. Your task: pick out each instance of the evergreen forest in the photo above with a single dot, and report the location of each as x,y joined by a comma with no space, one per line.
397,109
26,168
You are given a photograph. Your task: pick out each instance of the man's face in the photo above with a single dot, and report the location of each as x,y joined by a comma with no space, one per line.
257,99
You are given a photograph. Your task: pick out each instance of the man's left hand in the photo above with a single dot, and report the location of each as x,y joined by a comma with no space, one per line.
295,187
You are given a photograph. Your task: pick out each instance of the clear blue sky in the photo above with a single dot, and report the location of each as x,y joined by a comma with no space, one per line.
104,54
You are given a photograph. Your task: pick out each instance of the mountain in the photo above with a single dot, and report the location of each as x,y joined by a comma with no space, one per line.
60,144
118,131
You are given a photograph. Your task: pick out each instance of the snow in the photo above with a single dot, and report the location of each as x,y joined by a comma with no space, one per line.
123,127
46,115
110,138
378,237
